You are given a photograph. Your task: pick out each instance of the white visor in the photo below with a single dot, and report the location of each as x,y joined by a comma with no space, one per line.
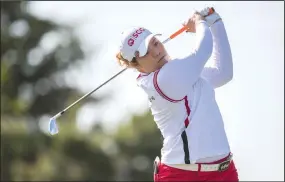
144,45
135,39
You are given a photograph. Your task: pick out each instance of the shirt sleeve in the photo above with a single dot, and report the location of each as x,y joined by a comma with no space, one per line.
176,78
221,72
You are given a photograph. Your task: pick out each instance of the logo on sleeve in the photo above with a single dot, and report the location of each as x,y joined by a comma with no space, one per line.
151,98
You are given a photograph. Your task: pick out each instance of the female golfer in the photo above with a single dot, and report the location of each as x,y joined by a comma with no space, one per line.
182,99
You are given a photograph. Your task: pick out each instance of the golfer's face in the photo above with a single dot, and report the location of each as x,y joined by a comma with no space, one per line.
155,57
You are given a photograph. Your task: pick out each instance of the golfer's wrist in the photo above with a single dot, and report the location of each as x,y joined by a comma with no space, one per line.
200,21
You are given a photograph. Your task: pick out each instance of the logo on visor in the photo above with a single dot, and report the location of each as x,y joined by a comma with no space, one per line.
135,35
131,42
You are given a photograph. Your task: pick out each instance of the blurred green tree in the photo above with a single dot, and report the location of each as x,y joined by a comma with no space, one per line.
38,157
32,85
126,155
140,142
35,55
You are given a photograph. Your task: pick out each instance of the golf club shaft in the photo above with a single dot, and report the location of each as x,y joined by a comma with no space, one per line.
86,95
184,28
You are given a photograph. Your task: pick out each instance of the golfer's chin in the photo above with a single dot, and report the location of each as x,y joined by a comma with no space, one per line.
156,66
161,63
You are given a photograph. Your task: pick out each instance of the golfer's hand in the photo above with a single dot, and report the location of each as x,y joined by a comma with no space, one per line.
193,21
210,16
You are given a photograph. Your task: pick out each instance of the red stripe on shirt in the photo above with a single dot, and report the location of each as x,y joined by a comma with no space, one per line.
186,122
159,90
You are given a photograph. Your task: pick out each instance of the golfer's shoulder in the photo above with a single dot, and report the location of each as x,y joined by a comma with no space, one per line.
149,80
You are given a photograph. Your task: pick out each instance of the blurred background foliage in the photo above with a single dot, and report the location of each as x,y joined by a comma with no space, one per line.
33,86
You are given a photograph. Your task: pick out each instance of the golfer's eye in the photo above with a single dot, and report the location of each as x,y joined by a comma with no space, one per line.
156,43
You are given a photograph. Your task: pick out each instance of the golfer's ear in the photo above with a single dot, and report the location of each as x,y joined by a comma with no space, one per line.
137,54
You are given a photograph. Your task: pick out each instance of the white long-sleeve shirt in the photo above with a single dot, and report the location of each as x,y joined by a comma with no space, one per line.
182,99
222,71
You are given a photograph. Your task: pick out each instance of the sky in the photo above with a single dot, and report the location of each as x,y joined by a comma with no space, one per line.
252,104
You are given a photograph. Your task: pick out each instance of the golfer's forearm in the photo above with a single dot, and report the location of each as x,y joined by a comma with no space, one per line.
204,43
223,60
178,76
222,69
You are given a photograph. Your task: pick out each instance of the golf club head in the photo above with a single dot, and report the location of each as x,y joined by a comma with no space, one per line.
53,129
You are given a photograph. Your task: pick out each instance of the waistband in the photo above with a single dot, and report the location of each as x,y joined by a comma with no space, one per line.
219,165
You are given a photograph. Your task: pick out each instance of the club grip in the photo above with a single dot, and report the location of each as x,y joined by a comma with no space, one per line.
178,32
211,11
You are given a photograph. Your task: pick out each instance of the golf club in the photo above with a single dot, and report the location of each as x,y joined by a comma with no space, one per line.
53,128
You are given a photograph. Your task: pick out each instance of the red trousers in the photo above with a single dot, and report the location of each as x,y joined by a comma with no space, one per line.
167,173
